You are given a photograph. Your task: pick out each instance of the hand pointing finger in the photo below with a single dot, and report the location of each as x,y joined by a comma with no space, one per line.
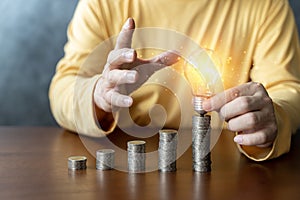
125,37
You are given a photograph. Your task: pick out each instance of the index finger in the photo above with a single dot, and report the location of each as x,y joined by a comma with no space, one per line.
219,100
125,37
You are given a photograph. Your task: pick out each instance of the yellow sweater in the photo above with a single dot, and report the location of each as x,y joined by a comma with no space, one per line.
254,40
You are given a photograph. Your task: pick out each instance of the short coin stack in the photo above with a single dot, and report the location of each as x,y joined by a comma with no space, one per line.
105,159
77,162
167,150
201,143
136,156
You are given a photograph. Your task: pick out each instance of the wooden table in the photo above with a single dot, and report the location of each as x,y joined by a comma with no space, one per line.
33,165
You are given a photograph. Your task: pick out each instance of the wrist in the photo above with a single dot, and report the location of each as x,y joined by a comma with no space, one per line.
105,119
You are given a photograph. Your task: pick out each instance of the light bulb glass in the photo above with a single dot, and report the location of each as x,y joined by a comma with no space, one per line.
202,70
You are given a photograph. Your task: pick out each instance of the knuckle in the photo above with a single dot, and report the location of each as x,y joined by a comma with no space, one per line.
223,113
245,103
110,77
106,70
230,125
101,86
253,139
256,86
102,104
107,108
263,138
273,127
234,93
114,60
111,57
108,96
115,55
119,101
113,78
115,98
110,54
267,100
259,88
122,39
97,99
252,119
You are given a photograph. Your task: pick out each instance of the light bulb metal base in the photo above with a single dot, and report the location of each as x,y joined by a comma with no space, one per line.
197,101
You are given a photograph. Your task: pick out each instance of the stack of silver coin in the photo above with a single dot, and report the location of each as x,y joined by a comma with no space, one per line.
105,159
167,150
77,162
201,143
136,156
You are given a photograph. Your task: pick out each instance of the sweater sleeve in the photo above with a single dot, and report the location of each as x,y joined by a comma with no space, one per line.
276,65
71,89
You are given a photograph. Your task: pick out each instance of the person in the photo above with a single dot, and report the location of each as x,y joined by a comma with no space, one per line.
256,41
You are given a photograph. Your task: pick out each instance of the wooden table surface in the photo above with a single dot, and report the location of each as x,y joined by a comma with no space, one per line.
33,165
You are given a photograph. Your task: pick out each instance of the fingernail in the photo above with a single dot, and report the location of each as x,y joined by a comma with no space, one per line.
131,76
129,55
127,24
238,139
127,101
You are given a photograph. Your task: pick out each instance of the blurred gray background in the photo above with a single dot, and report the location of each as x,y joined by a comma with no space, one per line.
32,36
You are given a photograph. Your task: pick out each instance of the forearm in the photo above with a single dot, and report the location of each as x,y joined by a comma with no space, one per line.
287,98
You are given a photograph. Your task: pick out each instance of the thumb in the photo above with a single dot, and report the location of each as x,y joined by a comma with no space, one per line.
125,37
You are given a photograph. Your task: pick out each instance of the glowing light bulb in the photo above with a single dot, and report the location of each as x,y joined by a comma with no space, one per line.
203,76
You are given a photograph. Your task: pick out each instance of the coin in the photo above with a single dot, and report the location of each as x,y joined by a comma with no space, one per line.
201,143
136,156
77,162
105,159
167,148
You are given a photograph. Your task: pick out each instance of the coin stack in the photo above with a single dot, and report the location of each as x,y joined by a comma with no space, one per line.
201,143
105,159
77,162
136,156
167,150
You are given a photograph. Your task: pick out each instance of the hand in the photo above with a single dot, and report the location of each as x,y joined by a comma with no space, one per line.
123,67
249,111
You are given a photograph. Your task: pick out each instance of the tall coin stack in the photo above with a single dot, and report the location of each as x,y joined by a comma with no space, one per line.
201,143
167,150
105,159
136,156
